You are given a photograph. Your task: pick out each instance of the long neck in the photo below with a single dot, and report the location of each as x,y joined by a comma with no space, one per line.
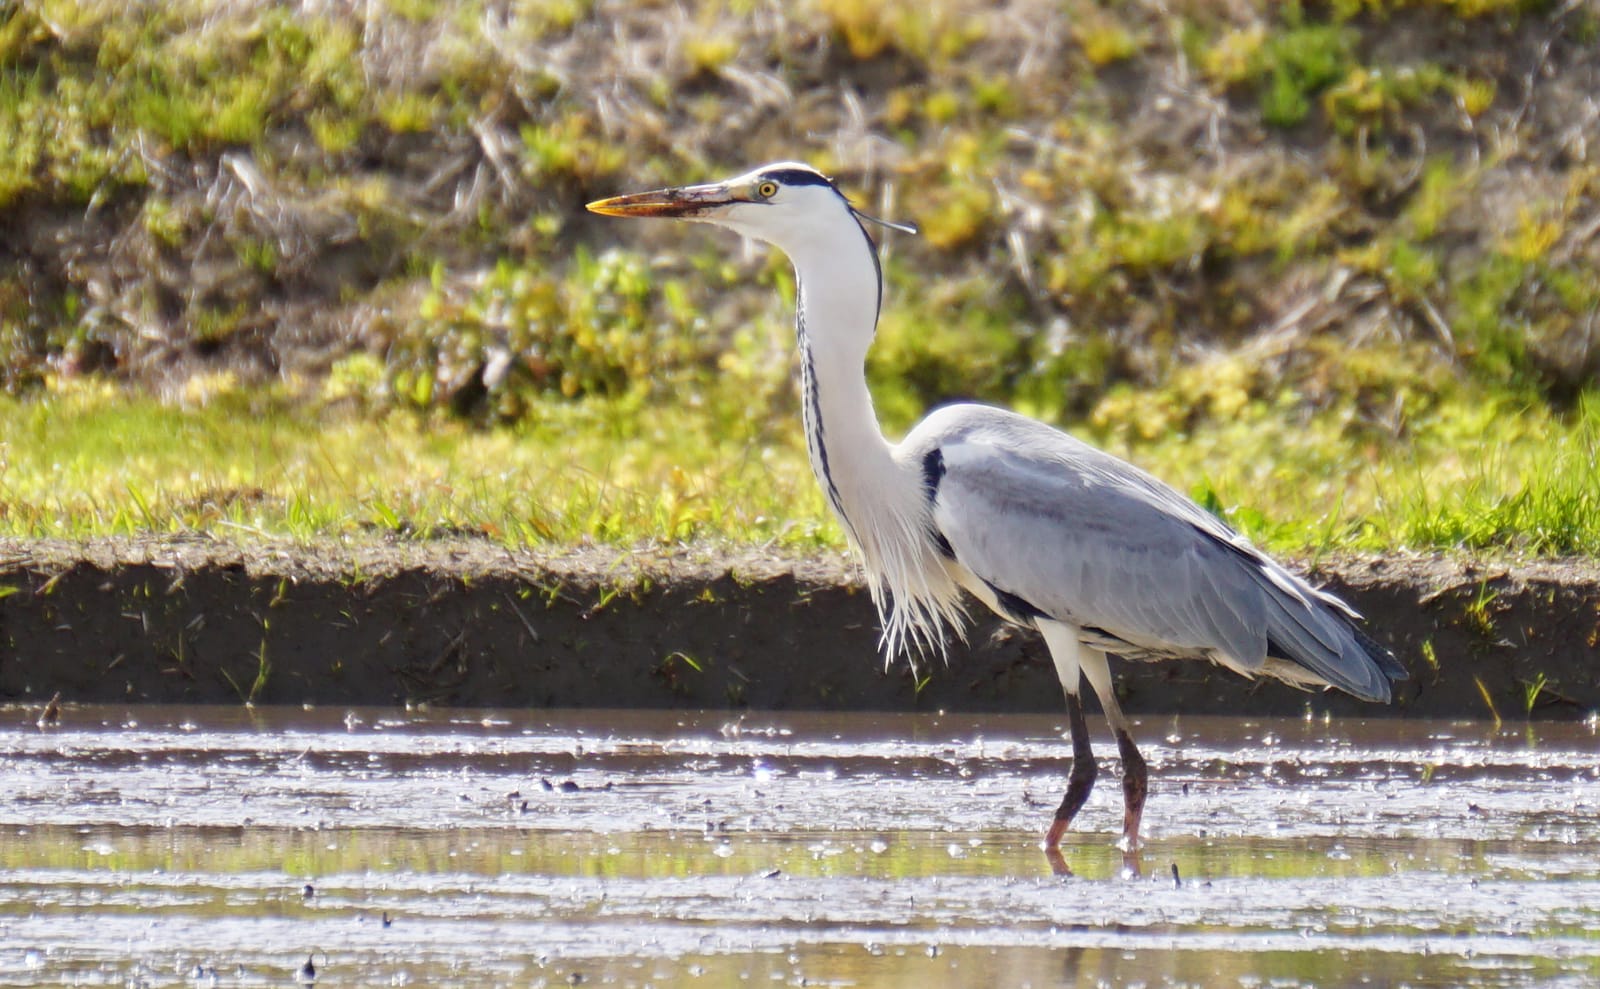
837,311
882,507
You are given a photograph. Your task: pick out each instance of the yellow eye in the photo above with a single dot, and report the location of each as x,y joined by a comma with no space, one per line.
767,189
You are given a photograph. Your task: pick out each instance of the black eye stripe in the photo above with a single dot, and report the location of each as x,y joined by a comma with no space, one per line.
796,176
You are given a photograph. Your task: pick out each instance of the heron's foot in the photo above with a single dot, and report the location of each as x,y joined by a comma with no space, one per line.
1058,863
1133,813
1132,853
1132,861
1135,788
1132,865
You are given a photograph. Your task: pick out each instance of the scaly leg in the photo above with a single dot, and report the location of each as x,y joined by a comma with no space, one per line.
1083,773
1066,652
1135,775
1135,787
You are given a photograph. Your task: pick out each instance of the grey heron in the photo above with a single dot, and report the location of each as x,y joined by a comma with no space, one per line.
1048,532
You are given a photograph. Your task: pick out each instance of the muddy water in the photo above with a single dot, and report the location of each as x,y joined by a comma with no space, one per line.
164,846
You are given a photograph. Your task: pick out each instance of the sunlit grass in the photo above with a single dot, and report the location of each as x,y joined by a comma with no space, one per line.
1478,475
89,461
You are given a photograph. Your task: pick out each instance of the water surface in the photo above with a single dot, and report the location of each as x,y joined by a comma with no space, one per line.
175,846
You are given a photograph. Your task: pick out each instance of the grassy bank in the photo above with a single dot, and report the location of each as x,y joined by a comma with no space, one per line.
245,463
311,270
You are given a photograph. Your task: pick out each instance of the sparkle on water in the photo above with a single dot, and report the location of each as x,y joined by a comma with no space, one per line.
222,846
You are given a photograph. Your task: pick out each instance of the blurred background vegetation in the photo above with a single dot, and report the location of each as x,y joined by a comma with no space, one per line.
323,267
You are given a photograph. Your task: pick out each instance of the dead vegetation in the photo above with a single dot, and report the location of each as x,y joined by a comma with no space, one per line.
269,189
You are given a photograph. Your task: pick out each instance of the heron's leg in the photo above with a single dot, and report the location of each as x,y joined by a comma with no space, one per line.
1081,781
1135,775
1065,652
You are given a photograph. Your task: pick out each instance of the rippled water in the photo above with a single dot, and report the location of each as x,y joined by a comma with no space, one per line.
167,846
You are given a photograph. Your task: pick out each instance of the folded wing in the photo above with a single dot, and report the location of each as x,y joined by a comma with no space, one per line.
1070,532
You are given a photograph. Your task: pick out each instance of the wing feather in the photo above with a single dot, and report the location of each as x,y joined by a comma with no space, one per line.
1091,540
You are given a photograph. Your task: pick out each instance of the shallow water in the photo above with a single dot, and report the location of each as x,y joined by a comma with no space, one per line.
168,846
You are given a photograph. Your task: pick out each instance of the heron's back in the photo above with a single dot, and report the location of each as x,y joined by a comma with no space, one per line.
1060,530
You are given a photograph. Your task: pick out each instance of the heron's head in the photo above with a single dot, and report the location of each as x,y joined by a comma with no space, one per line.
787,204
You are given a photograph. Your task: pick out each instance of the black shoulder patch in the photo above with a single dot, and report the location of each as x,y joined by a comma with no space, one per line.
932,473
797,176
1016,608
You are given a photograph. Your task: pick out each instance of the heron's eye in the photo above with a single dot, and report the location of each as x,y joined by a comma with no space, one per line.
767,189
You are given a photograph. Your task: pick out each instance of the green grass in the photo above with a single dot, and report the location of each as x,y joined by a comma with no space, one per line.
80,462
1310,487
1309,280
97,461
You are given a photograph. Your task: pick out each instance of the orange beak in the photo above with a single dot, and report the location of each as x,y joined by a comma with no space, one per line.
686,203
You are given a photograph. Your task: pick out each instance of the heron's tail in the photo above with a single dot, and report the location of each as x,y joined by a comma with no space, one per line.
1309,633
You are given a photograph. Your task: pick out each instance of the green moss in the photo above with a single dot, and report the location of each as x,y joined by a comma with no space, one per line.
1103,38
943,342
1442,186
924,33
1366,100
1483,315
570,148
1296,64
410,113
595,331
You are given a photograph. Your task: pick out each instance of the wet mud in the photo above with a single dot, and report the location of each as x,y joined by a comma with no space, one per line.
181,846
472,623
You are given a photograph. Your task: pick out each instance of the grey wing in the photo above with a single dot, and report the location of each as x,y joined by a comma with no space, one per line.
1059,529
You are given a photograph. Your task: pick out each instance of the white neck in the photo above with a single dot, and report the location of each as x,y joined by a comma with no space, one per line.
879,501
835,320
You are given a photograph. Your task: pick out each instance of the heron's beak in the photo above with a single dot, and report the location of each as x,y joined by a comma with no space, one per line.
688,203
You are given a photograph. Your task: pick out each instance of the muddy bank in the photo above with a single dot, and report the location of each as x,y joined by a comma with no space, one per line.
471,623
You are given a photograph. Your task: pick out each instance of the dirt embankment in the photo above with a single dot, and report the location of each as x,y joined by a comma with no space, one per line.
472,623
